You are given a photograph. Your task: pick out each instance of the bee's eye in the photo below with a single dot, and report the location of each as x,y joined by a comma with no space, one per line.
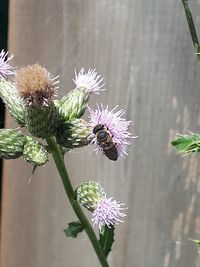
102,135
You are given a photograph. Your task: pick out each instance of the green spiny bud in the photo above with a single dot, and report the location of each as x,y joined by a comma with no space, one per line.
11,143
13,102
89,193
34,152
73,105
73,134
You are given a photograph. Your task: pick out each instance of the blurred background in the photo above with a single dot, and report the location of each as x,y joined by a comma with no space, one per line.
144,51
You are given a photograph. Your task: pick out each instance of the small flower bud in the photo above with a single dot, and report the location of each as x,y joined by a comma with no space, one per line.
74,104
13,102
11,143
34,152
73,134
105,211
37,88
89,193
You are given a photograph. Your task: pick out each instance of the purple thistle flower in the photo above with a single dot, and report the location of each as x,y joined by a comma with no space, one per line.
108,211
90,80
116,125
5,68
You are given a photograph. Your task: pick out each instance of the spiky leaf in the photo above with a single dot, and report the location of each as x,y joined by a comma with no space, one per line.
73,229
107,238
187,143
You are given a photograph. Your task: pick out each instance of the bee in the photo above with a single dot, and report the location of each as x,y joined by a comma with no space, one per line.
104,140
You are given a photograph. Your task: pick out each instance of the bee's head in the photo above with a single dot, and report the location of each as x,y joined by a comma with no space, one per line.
98,128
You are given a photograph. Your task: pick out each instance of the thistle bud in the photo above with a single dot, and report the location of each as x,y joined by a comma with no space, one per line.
89,194
13,102
73,134
37,88
34,152
73,105
105,211
11,143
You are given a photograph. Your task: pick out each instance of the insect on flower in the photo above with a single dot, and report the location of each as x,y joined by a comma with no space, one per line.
110,131
104,140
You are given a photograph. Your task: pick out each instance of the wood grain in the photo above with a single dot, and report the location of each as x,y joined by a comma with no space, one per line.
144,51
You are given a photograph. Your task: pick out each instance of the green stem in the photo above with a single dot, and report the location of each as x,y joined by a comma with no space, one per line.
192,29
56,153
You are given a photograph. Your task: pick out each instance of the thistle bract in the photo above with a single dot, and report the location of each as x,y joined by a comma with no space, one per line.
13,102
11,143
37,88
73,134
34,152
42,122
89,194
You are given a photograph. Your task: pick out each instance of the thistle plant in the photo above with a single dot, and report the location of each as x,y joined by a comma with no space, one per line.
190,143
30,98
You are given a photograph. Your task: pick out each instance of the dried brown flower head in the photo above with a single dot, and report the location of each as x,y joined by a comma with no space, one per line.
36,85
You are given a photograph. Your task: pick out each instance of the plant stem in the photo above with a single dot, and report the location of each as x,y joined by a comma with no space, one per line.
56,153
192,29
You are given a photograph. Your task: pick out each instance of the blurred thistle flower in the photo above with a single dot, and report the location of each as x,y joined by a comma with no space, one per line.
36,85
5,68
105,211
90,80
74,104
37,88
117,128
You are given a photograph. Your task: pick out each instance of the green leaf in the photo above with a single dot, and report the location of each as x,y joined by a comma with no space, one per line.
187,143
196,241
107,238
73,229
